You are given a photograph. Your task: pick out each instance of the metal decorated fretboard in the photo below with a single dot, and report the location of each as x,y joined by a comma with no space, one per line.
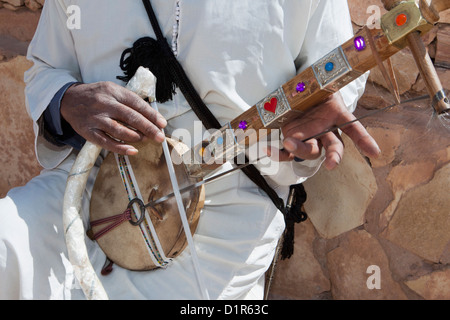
367,49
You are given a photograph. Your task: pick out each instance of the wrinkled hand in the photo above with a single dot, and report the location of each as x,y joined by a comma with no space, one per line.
320,118
111,116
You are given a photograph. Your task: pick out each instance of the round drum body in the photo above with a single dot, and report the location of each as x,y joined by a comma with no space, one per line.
125,244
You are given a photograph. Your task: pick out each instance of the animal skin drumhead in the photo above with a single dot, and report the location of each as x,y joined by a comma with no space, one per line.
125,244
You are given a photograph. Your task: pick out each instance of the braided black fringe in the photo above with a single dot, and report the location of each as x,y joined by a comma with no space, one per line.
150,53
293,215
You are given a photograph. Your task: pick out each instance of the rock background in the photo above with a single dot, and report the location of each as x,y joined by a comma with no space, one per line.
389,214
18,22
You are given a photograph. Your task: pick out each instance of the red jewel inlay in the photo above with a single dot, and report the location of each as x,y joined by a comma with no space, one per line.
401,19
272,105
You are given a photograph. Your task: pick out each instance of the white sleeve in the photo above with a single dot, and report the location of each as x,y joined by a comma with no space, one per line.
54,64
329,26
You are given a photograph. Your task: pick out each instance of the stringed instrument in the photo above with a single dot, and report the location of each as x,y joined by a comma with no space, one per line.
150,236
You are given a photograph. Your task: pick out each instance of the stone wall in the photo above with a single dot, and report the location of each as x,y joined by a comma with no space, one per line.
387,217
17,26
14,5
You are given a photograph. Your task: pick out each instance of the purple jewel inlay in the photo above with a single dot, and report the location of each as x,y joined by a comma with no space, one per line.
243,125
301,87
360,43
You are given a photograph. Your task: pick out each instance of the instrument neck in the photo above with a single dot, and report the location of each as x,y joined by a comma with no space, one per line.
367,49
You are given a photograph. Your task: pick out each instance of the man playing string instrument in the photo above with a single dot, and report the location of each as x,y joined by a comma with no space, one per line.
235,53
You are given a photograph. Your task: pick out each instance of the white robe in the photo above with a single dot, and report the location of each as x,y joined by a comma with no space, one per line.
235,52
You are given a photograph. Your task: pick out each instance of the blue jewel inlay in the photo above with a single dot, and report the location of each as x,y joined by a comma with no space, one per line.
329,66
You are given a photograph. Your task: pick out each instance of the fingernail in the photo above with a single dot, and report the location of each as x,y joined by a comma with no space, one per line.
290,145
330,166
160,136
378,152
334,163
374,154
162,122
132,152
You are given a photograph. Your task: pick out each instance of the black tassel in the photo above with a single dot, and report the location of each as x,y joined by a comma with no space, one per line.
152,54
293,215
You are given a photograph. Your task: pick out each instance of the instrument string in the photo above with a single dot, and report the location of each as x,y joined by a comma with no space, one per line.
182,212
